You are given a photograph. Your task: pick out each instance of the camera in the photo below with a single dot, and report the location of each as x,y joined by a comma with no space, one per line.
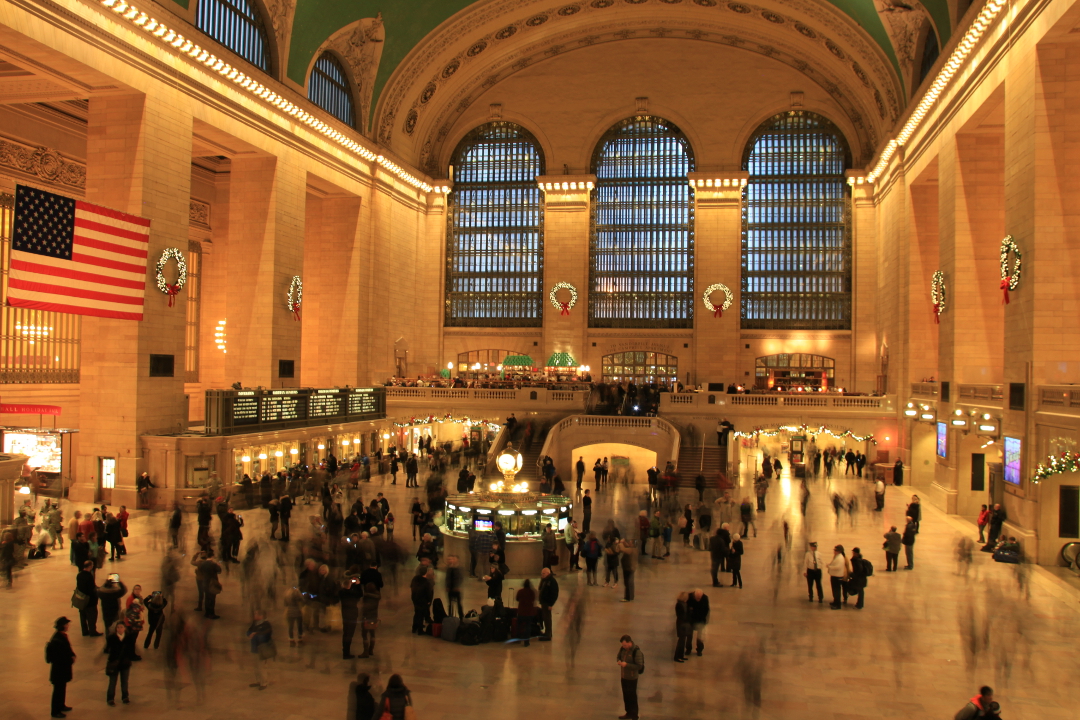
114,577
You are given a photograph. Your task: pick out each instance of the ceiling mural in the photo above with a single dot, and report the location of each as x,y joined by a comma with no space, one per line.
408,22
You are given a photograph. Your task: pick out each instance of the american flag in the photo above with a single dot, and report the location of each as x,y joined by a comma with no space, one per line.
73,257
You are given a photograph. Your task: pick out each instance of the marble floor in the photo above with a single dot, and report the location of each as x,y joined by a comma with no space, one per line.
924,643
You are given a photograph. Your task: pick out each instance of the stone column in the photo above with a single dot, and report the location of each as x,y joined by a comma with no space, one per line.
864,260
717,260
265,250
566,227
138,162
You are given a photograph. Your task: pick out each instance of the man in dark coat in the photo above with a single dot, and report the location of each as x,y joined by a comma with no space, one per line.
110,594
285,506
718,551
548,595
59,654
350,595
84,583
698,606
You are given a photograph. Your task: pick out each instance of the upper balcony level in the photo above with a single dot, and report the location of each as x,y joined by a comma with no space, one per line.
963,393
755,403
1059,399
508,399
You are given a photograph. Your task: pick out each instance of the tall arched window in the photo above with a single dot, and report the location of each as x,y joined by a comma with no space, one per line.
641,259
796,241
495,238
328,87
237,25
929,53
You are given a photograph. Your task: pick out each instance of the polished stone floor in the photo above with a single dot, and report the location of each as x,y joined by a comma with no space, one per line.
925,641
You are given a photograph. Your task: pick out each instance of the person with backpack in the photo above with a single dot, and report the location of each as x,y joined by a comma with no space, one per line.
631,663
591,551
394,700
61,657
980,706
860,570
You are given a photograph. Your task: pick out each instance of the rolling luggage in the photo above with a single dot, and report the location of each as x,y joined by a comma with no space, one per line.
438,611
470,632
501,629
450,627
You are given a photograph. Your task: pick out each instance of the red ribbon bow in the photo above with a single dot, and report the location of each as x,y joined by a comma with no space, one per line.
171,291
1005,282
937,314
565,308
296,312
718,311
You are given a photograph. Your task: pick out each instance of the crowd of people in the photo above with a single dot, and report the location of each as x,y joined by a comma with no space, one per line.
339,561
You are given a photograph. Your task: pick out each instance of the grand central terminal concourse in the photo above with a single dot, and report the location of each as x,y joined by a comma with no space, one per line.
636,359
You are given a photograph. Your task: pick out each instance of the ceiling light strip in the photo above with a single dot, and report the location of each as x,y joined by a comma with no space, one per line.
956,60
178,42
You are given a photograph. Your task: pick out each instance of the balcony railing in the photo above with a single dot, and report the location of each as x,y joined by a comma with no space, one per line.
510,399
925,390
705,402
1062,399
980,394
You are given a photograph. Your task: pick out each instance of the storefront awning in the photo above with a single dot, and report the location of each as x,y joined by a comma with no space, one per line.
517,361
561,359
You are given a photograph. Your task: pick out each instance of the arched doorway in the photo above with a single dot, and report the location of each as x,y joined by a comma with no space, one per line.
642,368
787,371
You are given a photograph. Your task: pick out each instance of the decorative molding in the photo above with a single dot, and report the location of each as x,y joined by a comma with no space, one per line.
43,163
199,214
360,45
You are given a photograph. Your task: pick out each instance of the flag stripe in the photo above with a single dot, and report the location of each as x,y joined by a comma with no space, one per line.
110,213
89,242
44,297
74,309
126,271
131,246
141,237
69,291
71,273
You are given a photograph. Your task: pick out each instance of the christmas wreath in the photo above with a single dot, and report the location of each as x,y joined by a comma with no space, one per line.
171,289
1009,279
717,310
937,295
295,296
563,307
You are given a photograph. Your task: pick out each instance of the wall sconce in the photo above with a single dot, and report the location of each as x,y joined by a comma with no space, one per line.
910,410
958,419
246,459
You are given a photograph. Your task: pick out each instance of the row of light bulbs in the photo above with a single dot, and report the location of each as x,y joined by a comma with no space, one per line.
294,451
170,37
947,72
219,336
554,186
719,182
984,422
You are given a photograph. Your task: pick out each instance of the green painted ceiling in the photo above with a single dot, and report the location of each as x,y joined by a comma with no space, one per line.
407,22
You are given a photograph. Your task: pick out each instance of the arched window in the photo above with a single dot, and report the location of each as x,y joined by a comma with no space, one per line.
495,239
929,53
641,258
328,87
237,25
796,240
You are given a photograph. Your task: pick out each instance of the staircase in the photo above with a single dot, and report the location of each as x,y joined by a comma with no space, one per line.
530,452
708,461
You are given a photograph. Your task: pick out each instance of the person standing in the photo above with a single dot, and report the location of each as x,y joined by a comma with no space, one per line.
629,567
61,657
88,613
717,553
548,595
349,596
631,664
526,610
421,594
586,512
110,594
849,459
698,605
369,617
598,473
857,584
761,489
285,506
275,514
118,665
839,572
551,556
683,628
908,541
860,463
155,618
898,473
454,579
997,520
699,485
570,537
983,521
207,572
892,549
361,703
735,560
412,467
813,564
879,494
591,550
914,511
261,636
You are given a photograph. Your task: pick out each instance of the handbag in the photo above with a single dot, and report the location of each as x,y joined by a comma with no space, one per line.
369,624
214,588
79,600
267,651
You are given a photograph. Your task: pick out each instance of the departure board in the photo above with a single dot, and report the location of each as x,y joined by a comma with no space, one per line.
234,411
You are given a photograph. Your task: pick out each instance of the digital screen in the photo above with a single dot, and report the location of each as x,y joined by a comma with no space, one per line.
43,450
325,404
363,401
483,524
942,439
283,405
233,411
1012,460
246,410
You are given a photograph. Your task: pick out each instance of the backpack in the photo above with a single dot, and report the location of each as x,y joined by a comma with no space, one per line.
868,568
638,653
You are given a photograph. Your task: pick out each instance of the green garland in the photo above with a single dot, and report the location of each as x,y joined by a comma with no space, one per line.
1054,464
1013,278
820,430
448,417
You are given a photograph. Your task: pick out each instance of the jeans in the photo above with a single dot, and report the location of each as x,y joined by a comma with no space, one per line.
122,673
209,603
629,696
611,569
813,577
348,629
590,570
298,623
891,561
736,577
155,623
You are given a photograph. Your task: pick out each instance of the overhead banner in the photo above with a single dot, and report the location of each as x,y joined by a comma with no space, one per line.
6,409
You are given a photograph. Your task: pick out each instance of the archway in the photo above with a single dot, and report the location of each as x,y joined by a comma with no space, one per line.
787,371
626,462
641,368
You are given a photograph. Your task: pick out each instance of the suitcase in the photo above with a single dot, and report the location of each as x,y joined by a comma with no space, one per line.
450,627
470,633
500,631
436,630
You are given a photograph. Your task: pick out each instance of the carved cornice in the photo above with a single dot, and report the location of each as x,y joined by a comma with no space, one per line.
199,214
43,164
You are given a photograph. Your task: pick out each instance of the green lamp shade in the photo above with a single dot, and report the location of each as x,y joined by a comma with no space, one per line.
561,359
517,361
